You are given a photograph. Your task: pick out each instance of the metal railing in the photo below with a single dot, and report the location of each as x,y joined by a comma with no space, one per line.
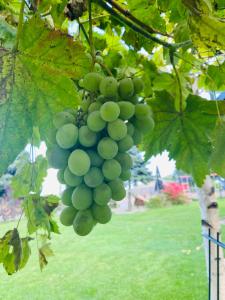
219,245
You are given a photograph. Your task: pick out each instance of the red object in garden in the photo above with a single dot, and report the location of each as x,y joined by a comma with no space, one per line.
174,189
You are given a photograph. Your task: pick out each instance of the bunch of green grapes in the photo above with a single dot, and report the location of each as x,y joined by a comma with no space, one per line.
90,148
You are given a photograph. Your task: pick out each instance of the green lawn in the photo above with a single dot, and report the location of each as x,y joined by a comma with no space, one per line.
153,255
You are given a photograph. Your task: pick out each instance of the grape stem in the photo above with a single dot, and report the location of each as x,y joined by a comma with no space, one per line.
20,25
91,33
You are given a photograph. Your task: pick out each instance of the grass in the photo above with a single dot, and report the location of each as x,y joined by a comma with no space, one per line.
155,255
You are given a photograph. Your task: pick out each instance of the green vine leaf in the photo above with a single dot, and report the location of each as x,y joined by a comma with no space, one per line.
29,177
187,136
35,83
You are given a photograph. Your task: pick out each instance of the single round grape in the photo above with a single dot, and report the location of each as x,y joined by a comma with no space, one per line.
97,67
87,138
137,136
79,162
133,99
111,169
110,111
126,88
126,110
63,118
102,194
82,197
71,179
85,104
94,177
68,215
81,83
125,175
99,59
142,111
57,157
96,159
109,87
94,106
125,144
60,176
95,122
118,190
101,99
67,196
107,148
125,160
72,111
102,214
117,130
67,136
138,85
145,125
83,222
130,128
92,81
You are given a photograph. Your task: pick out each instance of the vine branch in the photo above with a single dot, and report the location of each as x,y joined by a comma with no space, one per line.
91,31
127,14
120,18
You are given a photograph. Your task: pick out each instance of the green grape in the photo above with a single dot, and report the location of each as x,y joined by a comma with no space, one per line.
117,130
94,106
68,215
133,99
107,148
109,87
118,190
79,162
72,111
96,160
145,125
94,177
138,85
126,110
101,99
85,104
57,157
102,214
111,169
63,118
142,111
60,176
67,136
83,223
102,194
125,175
125,160
81,83
71,179
82,197
130,128
97,67
92,81
67,196
125,144
87,138
126,88
137,137
99,59
110,111
95,122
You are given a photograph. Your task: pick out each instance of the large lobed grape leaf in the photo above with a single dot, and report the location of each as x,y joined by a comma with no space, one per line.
188,136
35,83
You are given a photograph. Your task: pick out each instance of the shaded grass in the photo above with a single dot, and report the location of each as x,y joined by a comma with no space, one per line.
155,255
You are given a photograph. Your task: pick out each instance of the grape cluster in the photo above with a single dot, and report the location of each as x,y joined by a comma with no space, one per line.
90,148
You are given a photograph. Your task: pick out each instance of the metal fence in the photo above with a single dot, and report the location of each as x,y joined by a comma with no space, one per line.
216,241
